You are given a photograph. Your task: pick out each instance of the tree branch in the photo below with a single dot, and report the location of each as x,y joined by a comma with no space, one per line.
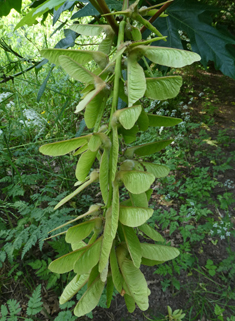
110,19
157,14
8,78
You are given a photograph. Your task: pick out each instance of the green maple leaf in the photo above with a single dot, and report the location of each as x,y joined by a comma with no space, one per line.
6,6
194,19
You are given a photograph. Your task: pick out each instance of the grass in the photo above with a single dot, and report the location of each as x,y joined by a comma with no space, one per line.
185,211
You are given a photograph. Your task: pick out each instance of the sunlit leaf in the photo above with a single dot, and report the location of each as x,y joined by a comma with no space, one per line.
90,298
94,142
129,135
116,275
114,151
88,99
89,258
93,275
163,88
148,262
81,150
78,190
106,44
150,232
79,232
157,170
130,303
136,284
128,116
66,262
110,289
134,216
135,181
77,71
143,121
133,245
115,209
63,147
77,246
170,57
107,241
95,108
136,80
158,252
139,200
104,175
84,164
73,287
91,30
80,56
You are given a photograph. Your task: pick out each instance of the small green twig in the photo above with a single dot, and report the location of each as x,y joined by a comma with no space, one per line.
157,14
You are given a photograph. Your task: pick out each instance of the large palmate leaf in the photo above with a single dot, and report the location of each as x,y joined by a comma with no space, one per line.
90,298
6,6
80,56
31,17
211,43
63,147
49,4
73,287
89,10
134,216
163,87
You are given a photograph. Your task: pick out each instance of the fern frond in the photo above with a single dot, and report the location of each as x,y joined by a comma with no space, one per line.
14,307
4,312
65,316
35,303
31,242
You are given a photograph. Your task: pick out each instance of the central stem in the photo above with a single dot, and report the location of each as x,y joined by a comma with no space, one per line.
118,71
